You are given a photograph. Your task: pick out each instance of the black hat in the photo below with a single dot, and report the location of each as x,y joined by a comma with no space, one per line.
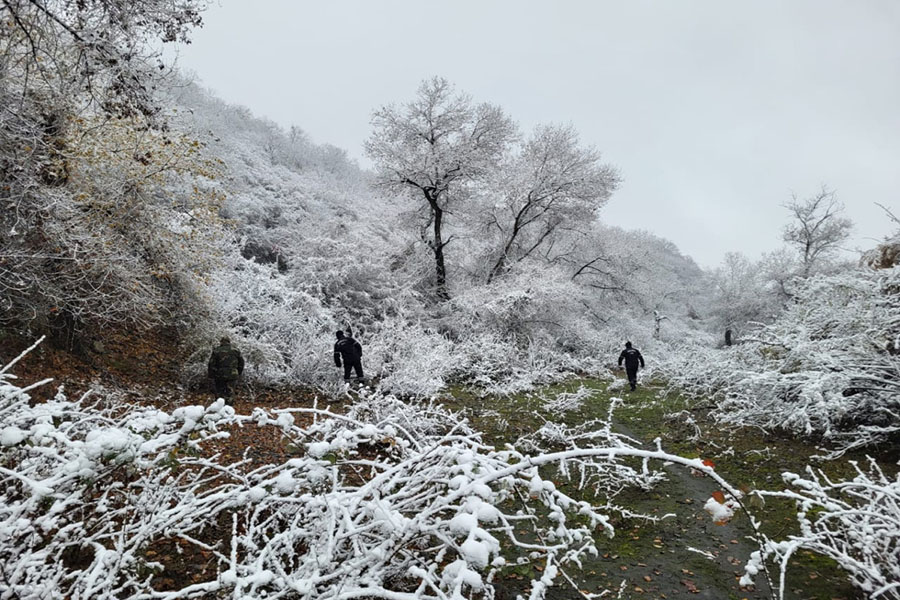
339,333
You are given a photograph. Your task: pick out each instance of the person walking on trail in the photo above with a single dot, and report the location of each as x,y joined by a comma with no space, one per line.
225,367
349,351
632,357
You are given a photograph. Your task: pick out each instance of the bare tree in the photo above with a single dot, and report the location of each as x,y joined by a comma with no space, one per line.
739,292
817,227
436,147
552,185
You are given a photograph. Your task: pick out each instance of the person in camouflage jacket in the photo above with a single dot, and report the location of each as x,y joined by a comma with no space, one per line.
225,368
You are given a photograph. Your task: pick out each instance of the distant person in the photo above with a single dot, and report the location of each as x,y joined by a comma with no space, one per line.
349,351
225,367
632,358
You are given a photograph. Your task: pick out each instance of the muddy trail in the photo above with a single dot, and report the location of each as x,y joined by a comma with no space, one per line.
682,554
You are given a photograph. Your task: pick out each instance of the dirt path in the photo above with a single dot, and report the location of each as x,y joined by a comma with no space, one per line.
683,556
687,555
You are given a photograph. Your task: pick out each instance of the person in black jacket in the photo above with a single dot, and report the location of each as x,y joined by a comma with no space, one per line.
350,351
632,357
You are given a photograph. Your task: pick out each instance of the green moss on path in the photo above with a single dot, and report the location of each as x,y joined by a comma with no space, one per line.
685,555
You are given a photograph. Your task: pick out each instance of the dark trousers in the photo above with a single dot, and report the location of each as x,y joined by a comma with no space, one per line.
632,375
225,388
354,364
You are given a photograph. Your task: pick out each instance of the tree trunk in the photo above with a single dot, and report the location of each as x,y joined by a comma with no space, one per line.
438,247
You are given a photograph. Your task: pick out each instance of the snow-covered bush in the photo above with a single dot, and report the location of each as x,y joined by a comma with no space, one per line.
829,365
86,485
854,522
106,212
403,500
284,333
568,401
394,499
409,359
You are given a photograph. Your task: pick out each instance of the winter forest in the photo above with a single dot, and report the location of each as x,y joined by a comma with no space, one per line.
494,448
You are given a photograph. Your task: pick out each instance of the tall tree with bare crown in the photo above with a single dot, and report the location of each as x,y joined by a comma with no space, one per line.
436,148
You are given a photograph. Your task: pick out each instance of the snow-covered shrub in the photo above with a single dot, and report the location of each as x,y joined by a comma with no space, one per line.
524,302
284,333
101,214
609,477
400,499
828,365
125,239
568,401
86,485
854,522
394,499
350,273
525,329
884,256
409,359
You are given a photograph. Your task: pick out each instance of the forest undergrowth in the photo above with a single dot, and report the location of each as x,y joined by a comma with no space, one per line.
665,545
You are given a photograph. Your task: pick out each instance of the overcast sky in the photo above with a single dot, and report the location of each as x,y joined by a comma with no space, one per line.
714,112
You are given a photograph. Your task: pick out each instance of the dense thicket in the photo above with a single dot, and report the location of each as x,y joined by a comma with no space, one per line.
829,364
106,214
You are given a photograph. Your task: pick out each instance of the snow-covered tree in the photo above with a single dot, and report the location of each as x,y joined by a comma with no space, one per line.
817,228
88,177
740,294
435,148
552,185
